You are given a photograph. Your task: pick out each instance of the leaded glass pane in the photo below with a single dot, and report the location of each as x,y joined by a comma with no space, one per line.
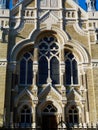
22,71
29,72
22,118
43,70
75,72
70,118
26,55
45,110
52,110
68,72
28,120
54,70
71,56
76,119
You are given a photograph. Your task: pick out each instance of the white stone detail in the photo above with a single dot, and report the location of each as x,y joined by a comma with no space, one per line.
49,19
49,3
3,63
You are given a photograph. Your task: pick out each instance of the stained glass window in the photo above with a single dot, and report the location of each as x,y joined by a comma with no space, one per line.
43,70
54,69
26,69
48,60
71,69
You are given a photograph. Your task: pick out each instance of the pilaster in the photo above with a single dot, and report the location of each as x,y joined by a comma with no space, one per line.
9,93
35,115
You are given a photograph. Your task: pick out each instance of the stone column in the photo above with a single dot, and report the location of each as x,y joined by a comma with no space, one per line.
63,112
36,54
83,114
35,66
85,86
34,78
34,115
36,13
61,13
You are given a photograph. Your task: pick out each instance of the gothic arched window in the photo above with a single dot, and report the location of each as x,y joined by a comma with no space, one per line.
73,115
25,116
48,61
71,69
26,69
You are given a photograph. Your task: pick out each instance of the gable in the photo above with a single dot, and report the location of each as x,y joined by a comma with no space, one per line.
50,93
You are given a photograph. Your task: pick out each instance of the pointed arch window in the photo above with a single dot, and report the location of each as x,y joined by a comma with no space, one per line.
73,115
71,69
25,116
48,60
26,69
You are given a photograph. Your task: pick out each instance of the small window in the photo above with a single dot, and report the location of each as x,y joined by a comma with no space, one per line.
73,115
25,116
26,69
71,69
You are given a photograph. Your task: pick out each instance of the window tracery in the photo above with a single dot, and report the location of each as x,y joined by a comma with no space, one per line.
73,115
48,60
25,116
50,108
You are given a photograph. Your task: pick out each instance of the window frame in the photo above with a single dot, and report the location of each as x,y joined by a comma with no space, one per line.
71,64
25,114
72,115
49,50
26,71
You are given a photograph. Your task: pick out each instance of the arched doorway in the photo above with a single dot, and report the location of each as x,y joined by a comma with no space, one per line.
49,119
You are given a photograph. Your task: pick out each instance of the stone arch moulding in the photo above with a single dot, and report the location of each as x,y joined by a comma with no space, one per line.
18,47
73,45
32,38
24,92
44,103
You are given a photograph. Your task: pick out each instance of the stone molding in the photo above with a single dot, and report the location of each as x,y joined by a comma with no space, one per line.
94,63
3,63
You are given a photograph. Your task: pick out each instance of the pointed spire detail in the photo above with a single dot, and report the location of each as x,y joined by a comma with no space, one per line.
91,5
2,4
